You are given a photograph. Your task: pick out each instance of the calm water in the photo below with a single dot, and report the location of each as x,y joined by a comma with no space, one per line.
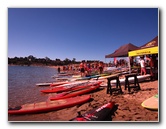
21,84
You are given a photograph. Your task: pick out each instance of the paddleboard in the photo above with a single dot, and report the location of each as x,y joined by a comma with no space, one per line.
99,114
67,83
73,93
131,79
49,105
70,87
52,83
88,77
151,103
107,76
59,83
44,84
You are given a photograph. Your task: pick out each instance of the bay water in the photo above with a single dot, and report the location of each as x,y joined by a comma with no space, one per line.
22,82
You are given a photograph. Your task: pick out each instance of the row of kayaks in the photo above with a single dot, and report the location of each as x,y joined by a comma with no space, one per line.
68,94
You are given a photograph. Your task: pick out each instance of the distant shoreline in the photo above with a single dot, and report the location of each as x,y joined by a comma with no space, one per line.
36,66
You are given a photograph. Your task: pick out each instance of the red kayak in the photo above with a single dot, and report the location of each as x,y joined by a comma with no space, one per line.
49,105
74,92
71,87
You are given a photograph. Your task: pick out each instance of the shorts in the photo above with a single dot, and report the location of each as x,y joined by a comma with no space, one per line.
82,70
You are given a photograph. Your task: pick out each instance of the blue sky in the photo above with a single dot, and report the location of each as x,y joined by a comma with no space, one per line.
81,33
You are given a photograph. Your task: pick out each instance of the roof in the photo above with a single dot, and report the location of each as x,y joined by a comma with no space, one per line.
122,51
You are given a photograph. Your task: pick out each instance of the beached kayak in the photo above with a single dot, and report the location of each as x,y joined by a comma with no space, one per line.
73,93
100,114
49,105
71,87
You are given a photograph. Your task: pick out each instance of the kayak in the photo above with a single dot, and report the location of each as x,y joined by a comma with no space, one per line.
73,93
49,105
71,87
100,114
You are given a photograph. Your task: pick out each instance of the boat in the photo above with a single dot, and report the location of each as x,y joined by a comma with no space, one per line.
131,79
69,87
73,93
52,83
48,105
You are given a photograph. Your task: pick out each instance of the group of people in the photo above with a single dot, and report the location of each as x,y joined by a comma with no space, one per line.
86,68
151,62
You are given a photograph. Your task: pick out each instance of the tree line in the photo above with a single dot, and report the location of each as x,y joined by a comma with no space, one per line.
31,60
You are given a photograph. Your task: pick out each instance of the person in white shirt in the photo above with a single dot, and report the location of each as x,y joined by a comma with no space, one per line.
142,63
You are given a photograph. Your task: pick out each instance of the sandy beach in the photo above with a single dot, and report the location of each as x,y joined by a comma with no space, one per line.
128,106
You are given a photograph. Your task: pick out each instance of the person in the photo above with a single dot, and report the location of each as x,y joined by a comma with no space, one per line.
59,69
100,67
152,65
131,62
82,70
142,63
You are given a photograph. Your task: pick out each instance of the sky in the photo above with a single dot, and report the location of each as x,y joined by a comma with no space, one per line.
80,33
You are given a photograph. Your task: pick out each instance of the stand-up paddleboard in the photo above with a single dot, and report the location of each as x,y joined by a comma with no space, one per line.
70,87
73,93
52,83
99,114
67,83
107,76
49,105
44,84
88,77
131,79
151,103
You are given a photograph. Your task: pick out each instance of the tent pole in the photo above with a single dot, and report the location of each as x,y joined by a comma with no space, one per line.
129,65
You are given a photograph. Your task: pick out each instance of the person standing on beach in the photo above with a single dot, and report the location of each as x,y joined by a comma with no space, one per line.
142,63
82,70
100,67
152,65
59,69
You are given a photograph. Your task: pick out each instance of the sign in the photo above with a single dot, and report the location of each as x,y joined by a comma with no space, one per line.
146,51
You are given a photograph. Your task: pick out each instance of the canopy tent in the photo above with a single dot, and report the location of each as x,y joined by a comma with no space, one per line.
122,51
148,48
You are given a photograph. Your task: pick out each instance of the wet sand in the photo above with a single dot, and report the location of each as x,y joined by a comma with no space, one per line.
128,106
